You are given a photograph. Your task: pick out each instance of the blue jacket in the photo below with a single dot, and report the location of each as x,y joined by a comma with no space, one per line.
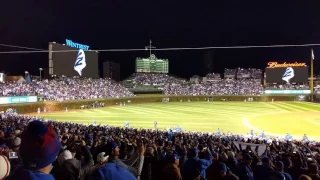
263,172
288,177
244,172
283,174
21,173
195,163
112,171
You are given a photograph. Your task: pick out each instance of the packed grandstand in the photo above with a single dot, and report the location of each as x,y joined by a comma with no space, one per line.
85,152
66,89
235,82
66,150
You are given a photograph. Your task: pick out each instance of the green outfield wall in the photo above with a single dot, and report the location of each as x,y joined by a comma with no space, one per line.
61,106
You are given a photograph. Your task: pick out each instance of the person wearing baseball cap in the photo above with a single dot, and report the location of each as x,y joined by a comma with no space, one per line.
69,167
111,171
102,158
244,170
39,147
279,166
171,171
264,171
219,171
194,162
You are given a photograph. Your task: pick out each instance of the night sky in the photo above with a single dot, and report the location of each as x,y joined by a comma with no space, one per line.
110,24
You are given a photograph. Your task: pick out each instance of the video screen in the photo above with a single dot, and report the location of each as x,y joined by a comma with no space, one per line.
287,75
74,63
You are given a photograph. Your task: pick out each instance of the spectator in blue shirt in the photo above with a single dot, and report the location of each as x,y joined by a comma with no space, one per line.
126,124
288,137
218,132
111,171
244,170
194,162
279,166
264,171
263,135
251,133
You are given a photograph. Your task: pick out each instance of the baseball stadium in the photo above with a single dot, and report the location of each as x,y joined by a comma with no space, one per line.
276,101
159,90
155,118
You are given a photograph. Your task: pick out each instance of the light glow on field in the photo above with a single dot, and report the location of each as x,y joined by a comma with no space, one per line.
275,118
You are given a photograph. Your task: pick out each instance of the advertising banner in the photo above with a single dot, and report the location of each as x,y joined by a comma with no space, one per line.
287,92
71,62
286,73
18,99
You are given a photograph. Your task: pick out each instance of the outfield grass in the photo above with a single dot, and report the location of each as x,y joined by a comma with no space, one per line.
275,118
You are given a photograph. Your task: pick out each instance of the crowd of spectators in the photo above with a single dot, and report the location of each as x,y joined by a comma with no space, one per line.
66,89
75,88
156,79
33,148
230,73
221,87
213,76
256,73
243,73
317,89
251,73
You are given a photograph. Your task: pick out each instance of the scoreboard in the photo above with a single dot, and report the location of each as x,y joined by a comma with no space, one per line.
286,73
63,63
152,65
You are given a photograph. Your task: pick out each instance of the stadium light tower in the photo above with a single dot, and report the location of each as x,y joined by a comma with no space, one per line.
150,47
40,69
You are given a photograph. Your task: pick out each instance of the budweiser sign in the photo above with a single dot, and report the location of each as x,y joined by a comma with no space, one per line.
277,65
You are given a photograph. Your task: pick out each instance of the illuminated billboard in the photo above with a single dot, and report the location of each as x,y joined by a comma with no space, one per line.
286,73
71,62
287,92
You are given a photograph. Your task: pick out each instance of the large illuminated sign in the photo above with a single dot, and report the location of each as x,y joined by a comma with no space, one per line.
76,45
277,65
